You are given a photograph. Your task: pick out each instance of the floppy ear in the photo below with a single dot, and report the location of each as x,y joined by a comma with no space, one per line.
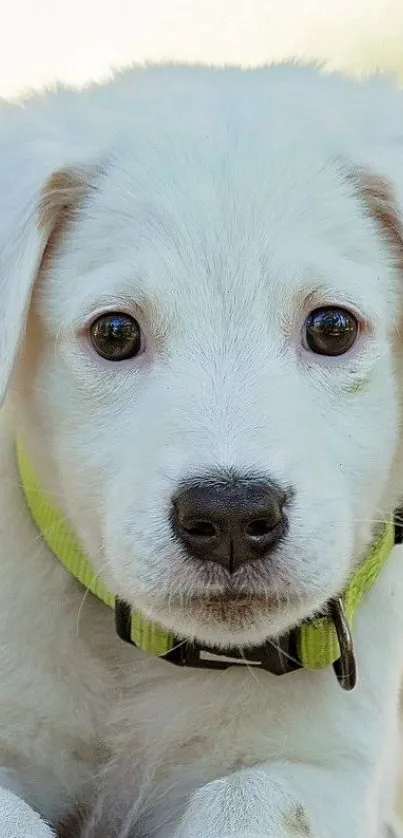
380,201
35,203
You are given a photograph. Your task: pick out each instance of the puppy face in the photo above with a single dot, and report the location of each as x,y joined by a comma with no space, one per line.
208,381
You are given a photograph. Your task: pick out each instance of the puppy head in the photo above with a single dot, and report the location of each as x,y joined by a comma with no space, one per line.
208,382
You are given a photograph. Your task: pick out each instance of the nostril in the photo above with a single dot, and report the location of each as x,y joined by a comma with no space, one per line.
259,528
201,530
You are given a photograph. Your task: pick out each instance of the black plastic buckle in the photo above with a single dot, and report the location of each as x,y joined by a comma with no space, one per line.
277,658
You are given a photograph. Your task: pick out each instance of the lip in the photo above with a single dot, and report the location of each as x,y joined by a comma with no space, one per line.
228,617
234,600
229,607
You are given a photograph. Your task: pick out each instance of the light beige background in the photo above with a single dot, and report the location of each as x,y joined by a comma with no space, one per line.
76,40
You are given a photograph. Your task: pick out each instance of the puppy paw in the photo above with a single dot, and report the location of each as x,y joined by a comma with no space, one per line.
247,804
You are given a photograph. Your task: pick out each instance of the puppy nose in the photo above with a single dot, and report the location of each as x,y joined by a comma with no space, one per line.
231,522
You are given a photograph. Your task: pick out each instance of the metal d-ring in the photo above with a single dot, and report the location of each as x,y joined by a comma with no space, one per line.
346,666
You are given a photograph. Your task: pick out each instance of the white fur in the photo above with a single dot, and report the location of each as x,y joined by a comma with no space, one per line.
219,209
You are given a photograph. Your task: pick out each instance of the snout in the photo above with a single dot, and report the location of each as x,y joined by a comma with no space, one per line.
230,520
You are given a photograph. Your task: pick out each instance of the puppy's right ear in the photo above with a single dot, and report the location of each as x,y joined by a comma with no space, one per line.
36,198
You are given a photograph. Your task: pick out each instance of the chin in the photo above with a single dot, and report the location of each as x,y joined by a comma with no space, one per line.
225,621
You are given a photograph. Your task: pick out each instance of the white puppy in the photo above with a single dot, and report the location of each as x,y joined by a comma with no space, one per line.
201,298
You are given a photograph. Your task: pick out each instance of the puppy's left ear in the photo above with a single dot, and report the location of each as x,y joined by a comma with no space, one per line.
34,212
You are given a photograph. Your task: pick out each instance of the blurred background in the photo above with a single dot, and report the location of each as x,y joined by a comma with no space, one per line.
78,40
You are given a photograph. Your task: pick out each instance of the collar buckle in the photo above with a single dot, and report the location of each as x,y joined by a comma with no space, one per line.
278,657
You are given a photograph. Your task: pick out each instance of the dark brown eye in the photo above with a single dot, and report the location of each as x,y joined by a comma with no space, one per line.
116,336
330,331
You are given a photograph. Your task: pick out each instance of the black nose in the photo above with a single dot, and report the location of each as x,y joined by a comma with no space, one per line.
230,521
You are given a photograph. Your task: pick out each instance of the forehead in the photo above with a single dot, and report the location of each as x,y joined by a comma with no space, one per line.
216,193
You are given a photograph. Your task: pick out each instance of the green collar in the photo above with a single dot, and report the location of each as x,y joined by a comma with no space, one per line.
314,644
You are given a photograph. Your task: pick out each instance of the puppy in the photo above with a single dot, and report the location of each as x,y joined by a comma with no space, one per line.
201,284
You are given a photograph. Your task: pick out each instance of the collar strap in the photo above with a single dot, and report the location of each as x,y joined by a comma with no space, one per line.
315,644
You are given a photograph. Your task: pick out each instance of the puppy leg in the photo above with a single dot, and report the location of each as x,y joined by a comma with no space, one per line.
281,801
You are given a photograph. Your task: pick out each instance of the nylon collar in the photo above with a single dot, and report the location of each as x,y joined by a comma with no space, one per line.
314,644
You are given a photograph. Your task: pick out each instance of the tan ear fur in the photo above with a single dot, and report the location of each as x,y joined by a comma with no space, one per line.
35,231
377,197
62,195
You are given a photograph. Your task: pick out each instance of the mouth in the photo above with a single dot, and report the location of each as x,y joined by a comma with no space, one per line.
239,603
231,618
230,608
246,608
